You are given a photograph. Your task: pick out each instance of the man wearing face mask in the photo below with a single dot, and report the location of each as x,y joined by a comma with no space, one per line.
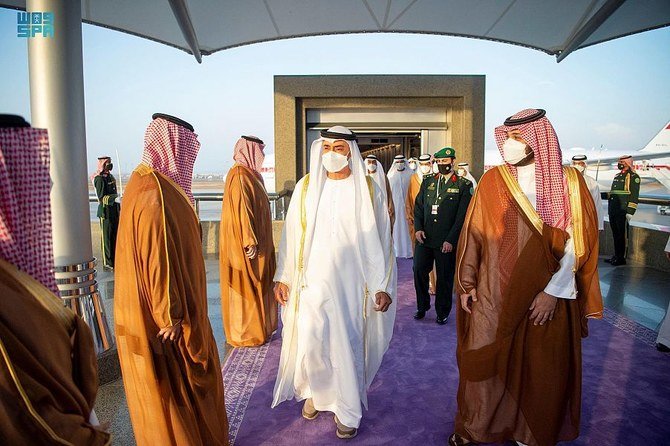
168,355
621,207
527,278
464,171
439,212
335,280
375,170
412,164
579,163
246,250
108,208
399,177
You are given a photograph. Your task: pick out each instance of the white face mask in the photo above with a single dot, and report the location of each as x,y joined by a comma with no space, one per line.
426,169
579,167
401,167
514,151
372,168
461,172
412,165
334,162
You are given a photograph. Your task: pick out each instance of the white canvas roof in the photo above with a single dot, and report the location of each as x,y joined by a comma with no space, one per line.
203,27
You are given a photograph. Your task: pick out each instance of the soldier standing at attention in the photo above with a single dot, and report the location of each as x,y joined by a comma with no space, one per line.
439,212
108,209
621,206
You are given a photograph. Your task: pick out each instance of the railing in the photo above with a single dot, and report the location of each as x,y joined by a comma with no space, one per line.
656,200
278,202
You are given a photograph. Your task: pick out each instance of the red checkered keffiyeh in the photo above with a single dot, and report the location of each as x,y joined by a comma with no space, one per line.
628,161
25,207
171,150
249,154
102,161
551,185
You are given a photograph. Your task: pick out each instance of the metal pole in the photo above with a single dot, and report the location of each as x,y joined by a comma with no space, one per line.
57,104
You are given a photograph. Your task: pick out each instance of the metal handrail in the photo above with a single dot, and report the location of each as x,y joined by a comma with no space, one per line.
278,202
656,200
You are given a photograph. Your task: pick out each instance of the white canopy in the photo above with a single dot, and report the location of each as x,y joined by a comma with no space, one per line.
202,27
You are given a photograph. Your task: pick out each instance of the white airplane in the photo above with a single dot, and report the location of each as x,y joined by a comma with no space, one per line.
651,162
268,172
658,150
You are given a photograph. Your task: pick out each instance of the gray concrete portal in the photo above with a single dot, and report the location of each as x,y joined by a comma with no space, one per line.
460,97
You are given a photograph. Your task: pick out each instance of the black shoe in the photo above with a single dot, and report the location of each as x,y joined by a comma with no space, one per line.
618,261
610,260
441,320
419,315
662,348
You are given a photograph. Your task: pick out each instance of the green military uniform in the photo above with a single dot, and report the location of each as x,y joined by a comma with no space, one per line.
622,201
108,213
439,211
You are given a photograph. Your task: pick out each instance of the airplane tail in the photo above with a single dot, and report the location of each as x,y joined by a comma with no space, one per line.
659,143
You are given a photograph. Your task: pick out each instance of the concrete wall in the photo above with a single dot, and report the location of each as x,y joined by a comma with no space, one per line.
210,238
645,245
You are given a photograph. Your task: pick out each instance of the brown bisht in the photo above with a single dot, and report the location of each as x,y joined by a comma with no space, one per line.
48,367
174,389
519,381
247,300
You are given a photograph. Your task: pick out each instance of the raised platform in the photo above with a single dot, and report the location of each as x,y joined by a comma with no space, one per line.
636,298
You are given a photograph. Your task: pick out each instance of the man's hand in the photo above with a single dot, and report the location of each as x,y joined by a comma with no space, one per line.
420,236
467,299
251,251
667,254
542,309
383,302
281,293
170,333
447,247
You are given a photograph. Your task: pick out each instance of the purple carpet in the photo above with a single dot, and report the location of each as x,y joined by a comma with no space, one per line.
626,397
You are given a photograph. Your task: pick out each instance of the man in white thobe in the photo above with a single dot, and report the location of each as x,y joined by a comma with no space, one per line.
336,281
579,163
399,177
375,170
464,171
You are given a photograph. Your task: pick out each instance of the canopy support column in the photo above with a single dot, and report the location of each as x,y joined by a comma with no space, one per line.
57,104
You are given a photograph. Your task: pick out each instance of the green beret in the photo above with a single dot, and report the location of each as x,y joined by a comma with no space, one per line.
446,152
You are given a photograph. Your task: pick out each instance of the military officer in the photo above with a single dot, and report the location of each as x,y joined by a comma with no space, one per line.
439,212
108,209
621,206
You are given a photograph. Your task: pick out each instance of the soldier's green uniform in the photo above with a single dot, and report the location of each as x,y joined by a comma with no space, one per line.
622,201
108,213
439,211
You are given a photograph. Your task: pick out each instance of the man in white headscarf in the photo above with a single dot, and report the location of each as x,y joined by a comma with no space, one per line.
464,172
579,163
335,280
399,177
375,170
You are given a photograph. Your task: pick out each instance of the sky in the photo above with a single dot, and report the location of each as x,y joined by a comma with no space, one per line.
616,94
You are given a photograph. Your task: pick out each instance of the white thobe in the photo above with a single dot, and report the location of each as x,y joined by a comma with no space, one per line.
399,182
664,331
562,283
330,357
594,189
